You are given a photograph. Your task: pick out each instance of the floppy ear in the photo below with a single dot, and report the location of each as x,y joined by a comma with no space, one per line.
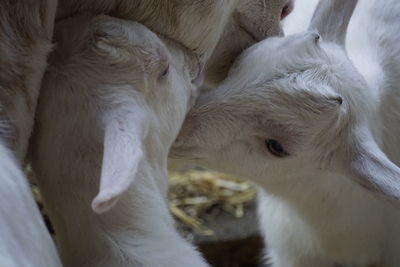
123,151
373,170
331,18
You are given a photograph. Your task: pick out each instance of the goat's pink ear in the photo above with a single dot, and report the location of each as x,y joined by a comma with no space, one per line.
123,152
373,170
331,19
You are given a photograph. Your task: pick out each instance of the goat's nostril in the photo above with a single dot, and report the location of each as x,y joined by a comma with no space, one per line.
287,9
316,37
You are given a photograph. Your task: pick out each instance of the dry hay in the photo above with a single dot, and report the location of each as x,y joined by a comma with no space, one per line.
192,193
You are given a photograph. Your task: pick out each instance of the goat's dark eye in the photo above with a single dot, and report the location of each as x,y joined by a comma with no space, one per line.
165,72
275,148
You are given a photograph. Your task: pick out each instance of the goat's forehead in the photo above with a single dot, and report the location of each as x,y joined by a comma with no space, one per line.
279,55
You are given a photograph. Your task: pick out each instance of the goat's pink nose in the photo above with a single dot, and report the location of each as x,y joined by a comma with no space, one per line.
287,9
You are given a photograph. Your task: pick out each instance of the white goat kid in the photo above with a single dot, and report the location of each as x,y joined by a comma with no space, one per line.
112,102
24,239
26,29
309,128
226,26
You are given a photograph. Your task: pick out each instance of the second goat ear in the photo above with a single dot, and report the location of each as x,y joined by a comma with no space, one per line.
109,38
331,19
123,152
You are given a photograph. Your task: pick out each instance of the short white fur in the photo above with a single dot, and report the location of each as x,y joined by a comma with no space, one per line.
337,126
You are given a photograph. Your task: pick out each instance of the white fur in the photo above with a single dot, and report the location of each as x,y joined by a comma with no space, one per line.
24,239
338,124
106,119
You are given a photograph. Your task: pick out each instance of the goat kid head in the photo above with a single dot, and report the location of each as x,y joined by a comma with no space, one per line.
292,107
140,86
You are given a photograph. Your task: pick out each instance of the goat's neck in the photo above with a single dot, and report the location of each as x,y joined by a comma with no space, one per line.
140,217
